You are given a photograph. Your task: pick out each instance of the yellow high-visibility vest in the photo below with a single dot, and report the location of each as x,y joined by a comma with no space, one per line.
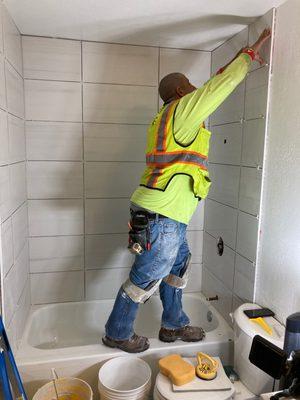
166,158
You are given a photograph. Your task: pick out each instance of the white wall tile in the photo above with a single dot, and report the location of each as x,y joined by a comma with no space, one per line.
15,91
244,278
255,29
1,29
256,93
195,279
16,132
54,141
53,59
22,271
119,103
104,283
57,287
11,331
236,302
211,287
247,236
55,217
18,192
3,138
22,311
114,142
107,251
108,179
53,254
12,42
225,184
226,144
20,229
197,220
5,205
54,180
192,63
221,220
195,242
2,84
253,142
221,266
250,185
14,284
114,63
7,246
232,109
53,101
106,215
227,51
9,295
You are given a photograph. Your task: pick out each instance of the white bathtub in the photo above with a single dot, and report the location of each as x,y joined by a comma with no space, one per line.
67,337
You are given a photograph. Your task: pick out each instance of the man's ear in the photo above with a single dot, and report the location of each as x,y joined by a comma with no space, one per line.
179,91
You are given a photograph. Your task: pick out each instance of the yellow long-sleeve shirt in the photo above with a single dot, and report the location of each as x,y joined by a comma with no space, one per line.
178,201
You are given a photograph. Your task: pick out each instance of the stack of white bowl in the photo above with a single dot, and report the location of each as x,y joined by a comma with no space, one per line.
125,378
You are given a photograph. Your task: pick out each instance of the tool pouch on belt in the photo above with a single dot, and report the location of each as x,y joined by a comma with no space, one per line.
139,234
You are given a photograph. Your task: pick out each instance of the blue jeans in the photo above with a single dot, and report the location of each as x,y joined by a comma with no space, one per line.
168,254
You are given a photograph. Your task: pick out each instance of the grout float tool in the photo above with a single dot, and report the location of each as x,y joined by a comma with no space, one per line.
263,324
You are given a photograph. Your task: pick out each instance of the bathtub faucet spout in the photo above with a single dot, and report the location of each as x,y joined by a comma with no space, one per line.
214,298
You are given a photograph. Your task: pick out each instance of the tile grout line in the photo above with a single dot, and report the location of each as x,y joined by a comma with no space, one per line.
83,176
113,43
158,78
32,121
237,122
87,82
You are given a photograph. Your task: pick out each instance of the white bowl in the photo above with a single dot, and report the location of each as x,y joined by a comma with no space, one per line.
124,377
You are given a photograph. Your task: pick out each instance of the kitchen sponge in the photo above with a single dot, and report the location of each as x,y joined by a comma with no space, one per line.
176,369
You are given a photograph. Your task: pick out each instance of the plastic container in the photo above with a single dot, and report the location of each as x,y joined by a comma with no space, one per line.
124,378
65,389
292,333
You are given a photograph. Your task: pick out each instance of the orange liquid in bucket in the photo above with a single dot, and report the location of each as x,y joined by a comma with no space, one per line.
67,396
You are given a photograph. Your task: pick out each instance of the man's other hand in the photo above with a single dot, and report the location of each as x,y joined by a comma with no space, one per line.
264,37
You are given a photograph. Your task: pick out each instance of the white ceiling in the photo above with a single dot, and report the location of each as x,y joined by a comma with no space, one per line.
199,24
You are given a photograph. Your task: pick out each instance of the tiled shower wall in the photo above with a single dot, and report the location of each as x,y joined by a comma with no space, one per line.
236,162
14,258
87,107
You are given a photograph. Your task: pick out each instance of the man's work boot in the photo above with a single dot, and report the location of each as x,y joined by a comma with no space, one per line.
136,344
186,333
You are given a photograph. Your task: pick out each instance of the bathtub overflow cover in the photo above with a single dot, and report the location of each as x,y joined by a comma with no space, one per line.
209,316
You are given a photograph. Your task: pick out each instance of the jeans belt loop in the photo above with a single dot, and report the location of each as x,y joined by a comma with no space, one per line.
156,217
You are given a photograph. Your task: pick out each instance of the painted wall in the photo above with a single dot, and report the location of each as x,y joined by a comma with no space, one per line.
236,163
278,279
87,109
14,259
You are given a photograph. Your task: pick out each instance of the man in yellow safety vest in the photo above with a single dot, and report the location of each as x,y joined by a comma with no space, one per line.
175,179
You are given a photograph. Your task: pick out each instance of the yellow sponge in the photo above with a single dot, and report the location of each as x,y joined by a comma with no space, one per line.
176,369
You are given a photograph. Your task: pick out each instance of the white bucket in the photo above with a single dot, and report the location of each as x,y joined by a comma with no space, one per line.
124,378
65,389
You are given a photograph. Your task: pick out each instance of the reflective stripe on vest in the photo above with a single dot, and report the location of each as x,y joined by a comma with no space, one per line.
181,157
161,134
154,176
